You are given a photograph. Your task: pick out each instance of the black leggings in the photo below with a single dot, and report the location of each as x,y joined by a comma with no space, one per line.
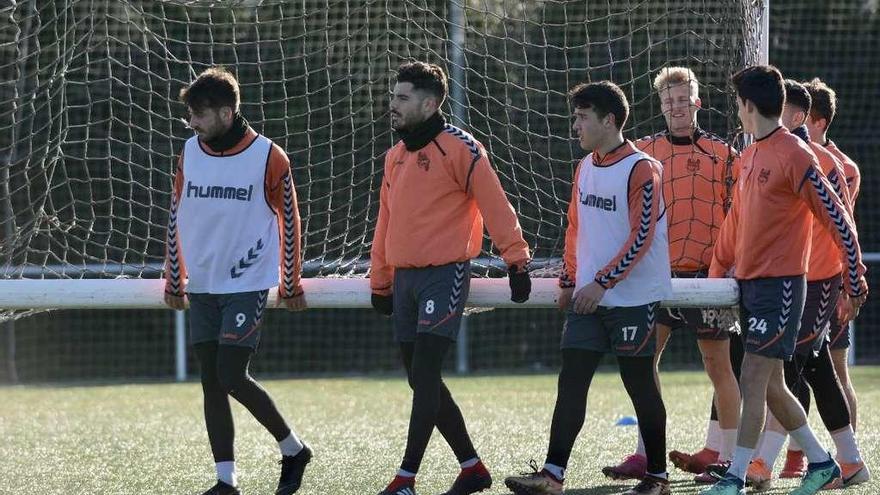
432,404
817,372
224,371
578,368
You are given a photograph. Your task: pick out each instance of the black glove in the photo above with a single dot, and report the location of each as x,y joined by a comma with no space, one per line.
520,284
384,305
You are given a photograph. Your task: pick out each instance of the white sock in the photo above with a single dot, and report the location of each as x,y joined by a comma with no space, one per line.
226,472
470,463
809,444
640,447
405,474
291,445
557,471
713,436
728,443
663,476
847,448
794,445
740,462
771,446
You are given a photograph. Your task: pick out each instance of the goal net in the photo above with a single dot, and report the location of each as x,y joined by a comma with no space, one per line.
92,124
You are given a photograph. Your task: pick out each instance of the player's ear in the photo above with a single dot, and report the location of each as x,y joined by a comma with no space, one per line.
698,103
609,120
431,104
226,114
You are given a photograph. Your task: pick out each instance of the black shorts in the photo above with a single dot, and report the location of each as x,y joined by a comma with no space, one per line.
702,321
770,314
430,300
699,320
819,306
625,331
229,319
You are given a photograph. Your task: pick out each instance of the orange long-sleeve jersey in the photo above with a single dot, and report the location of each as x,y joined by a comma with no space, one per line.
280,195
645,174
853,175
767,232
432,205
824,255
698,176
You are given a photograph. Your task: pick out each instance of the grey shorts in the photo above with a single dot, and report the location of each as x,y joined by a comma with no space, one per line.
819,307
430,300
770,314
230,319
625,331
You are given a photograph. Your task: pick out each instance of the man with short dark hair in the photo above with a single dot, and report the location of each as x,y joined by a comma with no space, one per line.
233,210
765,239
437,189
615,272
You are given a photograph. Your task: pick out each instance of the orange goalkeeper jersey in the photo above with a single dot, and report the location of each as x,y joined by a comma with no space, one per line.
432,205
698,176
767,232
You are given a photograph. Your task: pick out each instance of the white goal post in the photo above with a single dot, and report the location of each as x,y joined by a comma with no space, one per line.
320,293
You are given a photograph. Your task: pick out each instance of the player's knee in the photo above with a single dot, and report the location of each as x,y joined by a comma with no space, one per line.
717,367
231,379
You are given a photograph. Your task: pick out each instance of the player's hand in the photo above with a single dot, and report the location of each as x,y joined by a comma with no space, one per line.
294,303
384,305
587,298
844,309
564,299
520,284
856,304
176,302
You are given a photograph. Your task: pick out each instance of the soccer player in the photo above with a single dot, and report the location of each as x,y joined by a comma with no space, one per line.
766,237
822,113
698,174
233,210
437,189
616,270
811,365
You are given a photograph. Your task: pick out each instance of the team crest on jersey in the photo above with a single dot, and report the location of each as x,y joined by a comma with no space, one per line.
693,165
764,176
423,161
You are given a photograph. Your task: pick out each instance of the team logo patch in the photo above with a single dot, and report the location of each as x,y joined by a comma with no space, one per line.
423,161
693,165
764,176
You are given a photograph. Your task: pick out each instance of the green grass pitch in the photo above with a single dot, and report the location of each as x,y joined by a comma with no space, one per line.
139,439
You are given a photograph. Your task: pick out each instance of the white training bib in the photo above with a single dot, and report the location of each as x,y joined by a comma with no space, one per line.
228,233
604,227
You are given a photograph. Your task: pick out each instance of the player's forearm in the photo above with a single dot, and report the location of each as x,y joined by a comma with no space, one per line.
829,208
499,217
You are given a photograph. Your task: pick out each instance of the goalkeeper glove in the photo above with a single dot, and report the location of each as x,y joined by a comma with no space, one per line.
520,284
384,305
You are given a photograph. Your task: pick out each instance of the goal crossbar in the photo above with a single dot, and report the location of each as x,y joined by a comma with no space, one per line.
320,293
